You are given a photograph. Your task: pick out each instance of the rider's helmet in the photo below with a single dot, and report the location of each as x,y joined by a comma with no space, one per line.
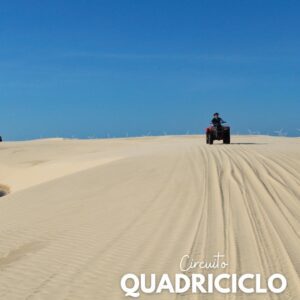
216,114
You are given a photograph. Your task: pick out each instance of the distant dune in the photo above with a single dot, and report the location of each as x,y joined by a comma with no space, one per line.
81,213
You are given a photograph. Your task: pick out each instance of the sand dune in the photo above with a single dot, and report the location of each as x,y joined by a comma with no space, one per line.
80,214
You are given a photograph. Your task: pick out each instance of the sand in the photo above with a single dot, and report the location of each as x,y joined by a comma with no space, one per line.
81,213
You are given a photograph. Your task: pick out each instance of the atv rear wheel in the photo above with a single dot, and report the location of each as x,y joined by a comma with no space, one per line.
209,139
226,139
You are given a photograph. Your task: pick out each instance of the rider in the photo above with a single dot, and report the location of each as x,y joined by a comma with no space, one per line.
217,121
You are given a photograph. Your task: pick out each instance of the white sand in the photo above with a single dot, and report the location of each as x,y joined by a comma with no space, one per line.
80,214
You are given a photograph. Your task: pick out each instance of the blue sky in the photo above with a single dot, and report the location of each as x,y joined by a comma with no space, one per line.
93,68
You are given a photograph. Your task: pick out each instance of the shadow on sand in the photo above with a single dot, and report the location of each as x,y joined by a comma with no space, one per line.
4,190
248,143
243,144
2,193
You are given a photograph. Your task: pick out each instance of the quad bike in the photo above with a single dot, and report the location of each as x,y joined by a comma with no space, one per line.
218,133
